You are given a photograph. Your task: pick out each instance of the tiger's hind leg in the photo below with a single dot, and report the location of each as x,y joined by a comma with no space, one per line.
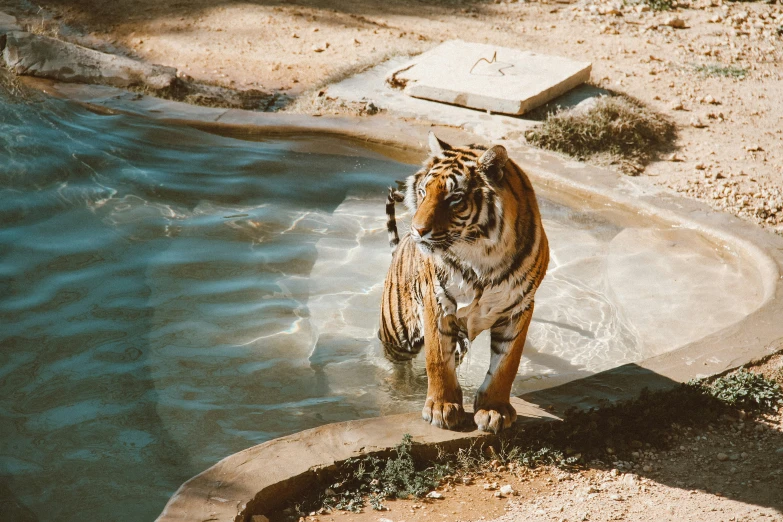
493,408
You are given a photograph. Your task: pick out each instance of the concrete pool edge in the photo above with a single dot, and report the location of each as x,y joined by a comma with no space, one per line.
250,481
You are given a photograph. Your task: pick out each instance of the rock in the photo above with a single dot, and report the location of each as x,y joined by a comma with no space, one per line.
318,48
7,25
45,57
733,456
370,108
698,166
629,480
779,451
435,495
697,122
616,497
711,100
677,105
647,468
507,490
676,22
491,487
754,148
722,457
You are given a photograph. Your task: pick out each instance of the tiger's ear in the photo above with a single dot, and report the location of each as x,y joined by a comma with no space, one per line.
438,147
493,161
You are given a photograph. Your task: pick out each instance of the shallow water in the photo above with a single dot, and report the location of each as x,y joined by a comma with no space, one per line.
168,297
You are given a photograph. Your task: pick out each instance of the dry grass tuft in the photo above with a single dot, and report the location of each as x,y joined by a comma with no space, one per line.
617,130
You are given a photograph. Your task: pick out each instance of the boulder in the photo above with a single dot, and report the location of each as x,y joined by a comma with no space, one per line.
7,24
45,57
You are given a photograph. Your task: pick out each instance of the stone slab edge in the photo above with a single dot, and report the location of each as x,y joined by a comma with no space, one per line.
410,76
260,477
493,104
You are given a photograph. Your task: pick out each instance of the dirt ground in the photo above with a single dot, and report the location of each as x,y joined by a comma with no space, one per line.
713,67
729,471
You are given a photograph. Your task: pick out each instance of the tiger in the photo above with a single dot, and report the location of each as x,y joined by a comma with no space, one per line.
474,255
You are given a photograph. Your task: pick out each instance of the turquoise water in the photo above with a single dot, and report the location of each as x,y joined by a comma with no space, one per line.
138,262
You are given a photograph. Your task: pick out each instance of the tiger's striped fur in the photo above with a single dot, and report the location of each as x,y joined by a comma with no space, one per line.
472,261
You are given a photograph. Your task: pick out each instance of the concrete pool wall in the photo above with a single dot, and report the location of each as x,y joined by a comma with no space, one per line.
256,480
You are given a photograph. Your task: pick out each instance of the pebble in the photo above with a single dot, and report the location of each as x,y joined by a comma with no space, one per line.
507,490
647,469
677,105
629,480
675,22
616,497
779,451
697,123
722,457
491,487
435,495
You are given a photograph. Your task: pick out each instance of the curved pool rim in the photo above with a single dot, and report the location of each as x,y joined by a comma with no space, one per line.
260,478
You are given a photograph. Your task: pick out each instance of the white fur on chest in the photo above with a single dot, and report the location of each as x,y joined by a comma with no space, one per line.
477,311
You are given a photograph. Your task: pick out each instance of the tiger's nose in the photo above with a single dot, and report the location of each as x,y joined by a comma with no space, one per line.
422,230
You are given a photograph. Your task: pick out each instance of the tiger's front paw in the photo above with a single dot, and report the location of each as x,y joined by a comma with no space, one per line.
494,417
446,415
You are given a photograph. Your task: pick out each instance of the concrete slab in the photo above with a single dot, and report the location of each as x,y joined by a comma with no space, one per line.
371,86
488,77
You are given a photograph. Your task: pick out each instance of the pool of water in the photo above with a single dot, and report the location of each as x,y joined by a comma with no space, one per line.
170,296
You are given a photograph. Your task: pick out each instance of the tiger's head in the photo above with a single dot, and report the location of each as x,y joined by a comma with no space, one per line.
454,197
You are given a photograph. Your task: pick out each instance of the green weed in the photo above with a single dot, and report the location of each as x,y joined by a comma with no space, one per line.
746,390
660,5
379,479
728,71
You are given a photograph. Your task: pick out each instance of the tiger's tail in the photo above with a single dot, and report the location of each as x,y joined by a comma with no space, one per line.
395,196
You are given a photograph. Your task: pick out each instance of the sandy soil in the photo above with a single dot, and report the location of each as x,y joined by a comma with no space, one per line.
718,78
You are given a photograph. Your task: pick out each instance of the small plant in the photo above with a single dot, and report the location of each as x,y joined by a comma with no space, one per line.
727,71
618,128
747,390
660,5
376,480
